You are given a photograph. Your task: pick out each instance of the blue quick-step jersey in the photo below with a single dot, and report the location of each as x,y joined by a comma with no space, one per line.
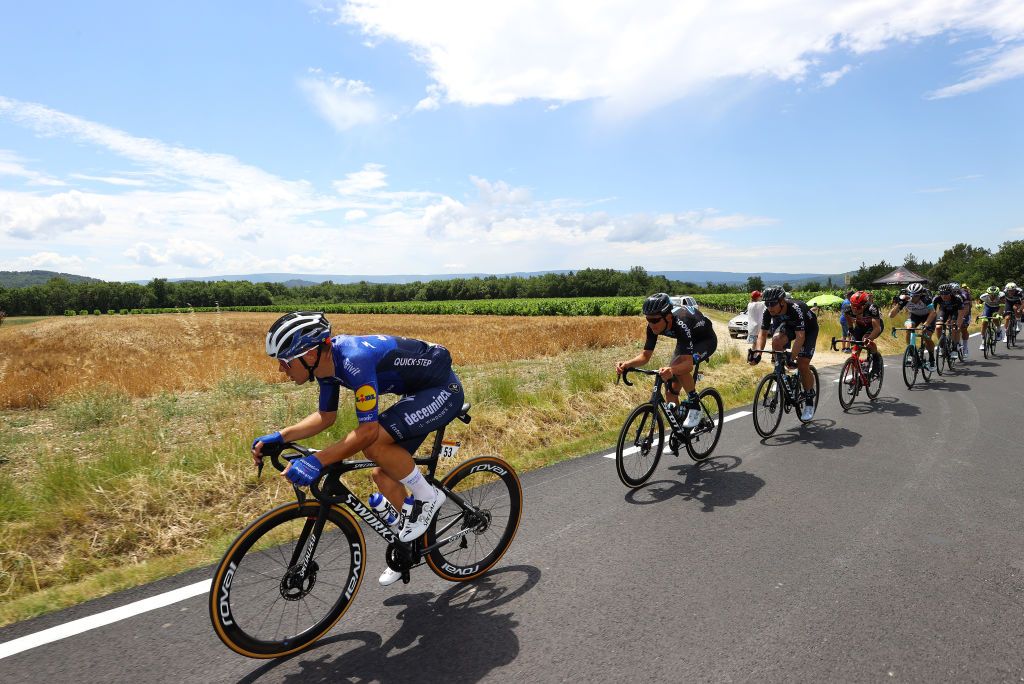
372,365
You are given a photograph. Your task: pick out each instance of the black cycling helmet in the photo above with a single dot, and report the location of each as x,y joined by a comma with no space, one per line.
772,295
945,289
657,304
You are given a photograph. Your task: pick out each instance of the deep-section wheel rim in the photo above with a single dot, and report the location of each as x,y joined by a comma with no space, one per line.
849,384
639,446
767,407
704,437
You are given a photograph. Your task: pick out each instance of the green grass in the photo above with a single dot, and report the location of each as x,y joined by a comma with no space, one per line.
100,406
22,320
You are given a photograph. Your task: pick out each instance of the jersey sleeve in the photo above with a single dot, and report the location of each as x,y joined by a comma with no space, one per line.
766,319
329,392
652,340
366,400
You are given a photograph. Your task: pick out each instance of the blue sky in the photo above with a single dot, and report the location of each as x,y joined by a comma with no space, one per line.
141,140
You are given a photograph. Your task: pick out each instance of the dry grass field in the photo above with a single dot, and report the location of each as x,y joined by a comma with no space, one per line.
141,356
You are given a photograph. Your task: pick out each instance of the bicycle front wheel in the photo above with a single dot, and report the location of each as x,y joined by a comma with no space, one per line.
922,363
701,441
801,402
940,355
767,406
639,446
875,383
473,541
267,600
910,366
849,383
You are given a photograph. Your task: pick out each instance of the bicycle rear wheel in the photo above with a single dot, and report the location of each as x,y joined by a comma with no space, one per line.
875,383
1011,334
477,540
910,366
922,363
849,383
940,354
701,441
800,402
639,447
768,405
262,605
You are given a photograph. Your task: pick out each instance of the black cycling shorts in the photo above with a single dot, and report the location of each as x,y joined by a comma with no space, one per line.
810,337
410,419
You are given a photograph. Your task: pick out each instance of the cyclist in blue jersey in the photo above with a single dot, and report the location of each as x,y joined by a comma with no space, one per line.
369,365
695,341
920,314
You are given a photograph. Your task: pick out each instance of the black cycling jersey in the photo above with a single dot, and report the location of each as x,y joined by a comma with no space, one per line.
700,326
863,318
798,317
943,307
678,331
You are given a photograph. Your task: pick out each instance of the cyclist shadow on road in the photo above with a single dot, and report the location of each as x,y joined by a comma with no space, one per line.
459,636
821,433
712,483
890,405
970,370
946,385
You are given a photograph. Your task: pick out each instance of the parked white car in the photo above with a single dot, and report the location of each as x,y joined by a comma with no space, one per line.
683,300
739,325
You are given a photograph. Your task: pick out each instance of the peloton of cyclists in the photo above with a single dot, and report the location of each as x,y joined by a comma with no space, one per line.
921,314
793,326
695,341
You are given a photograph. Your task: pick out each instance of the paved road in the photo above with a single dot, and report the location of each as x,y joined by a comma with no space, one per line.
883,544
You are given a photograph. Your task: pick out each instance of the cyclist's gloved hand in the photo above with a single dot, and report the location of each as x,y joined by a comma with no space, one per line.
272,438
304,471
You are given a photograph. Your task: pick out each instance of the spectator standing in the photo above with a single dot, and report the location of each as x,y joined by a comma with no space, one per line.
843,309
755,312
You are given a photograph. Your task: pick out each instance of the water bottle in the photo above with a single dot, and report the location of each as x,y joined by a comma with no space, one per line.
384,509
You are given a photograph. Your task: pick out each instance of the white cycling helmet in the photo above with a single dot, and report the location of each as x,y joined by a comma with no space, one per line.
296,333
915,289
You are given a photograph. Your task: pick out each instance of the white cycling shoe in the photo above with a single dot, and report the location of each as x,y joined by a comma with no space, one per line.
692,418
807,413
389,577
416,521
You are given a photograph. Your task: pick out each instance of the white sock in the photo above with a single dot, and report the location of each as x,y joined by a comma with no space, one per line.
421,489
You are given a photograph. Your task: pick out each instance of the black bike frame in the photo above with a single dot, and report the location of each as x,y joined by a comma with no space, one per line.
657,399
779,359
334,491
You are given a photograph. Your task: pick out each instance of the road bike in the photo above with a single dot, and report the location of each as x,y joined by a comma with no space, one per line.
779,392
642,438
855,376
1011,329
991,335
947,352
294,571
914,356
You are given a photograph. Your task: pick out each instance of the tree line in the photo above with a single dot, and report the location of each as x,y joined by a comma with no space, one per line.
963,262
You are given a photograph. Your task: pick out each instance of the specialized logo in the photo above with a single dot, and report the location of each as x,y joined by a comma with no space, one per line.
366,398
491,467
413,362
454,387
371,518
463,572
428,410
224,606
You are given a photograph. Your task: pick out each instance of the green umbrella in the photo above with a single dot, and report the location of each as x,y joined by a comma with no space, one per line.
825,300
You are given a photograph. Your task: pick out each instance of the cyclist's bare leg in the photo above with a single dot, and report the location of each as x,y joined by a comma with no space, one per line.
806,378
393,463
682,367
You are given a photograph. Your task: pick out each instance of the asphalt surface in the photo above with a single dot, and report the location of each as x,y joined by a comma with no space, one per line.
881,544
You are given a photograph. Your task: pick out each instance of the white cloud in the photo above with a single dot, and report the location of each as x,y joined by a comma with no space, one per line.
433,99
46,261
1005,65
187,253
637,56
111,180
13,165
830,78
28,216
343,103
146,254
371,177
355,215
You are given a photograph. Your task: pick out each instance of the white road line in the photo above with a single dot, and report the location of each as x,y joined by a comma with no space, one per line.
107,617
632,450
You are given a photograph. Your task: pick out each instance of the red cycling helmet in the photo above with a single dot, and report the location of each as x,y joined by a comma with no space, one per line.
755,295
858,299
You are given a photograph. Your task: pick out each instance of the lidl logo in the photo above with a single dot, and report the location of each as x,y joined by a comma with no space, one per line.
366,398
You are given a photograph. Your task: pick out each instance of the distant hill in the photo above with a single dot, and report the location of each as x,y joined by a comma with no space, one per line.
13,279
698,277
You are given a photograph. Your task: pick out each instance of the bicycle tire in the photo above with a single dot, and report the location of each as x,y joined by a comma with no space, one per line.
484,482
647,453
910,366
940,354
922,354
800,399
849,383
1011,335
235,616
874,387
768,400
699,445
